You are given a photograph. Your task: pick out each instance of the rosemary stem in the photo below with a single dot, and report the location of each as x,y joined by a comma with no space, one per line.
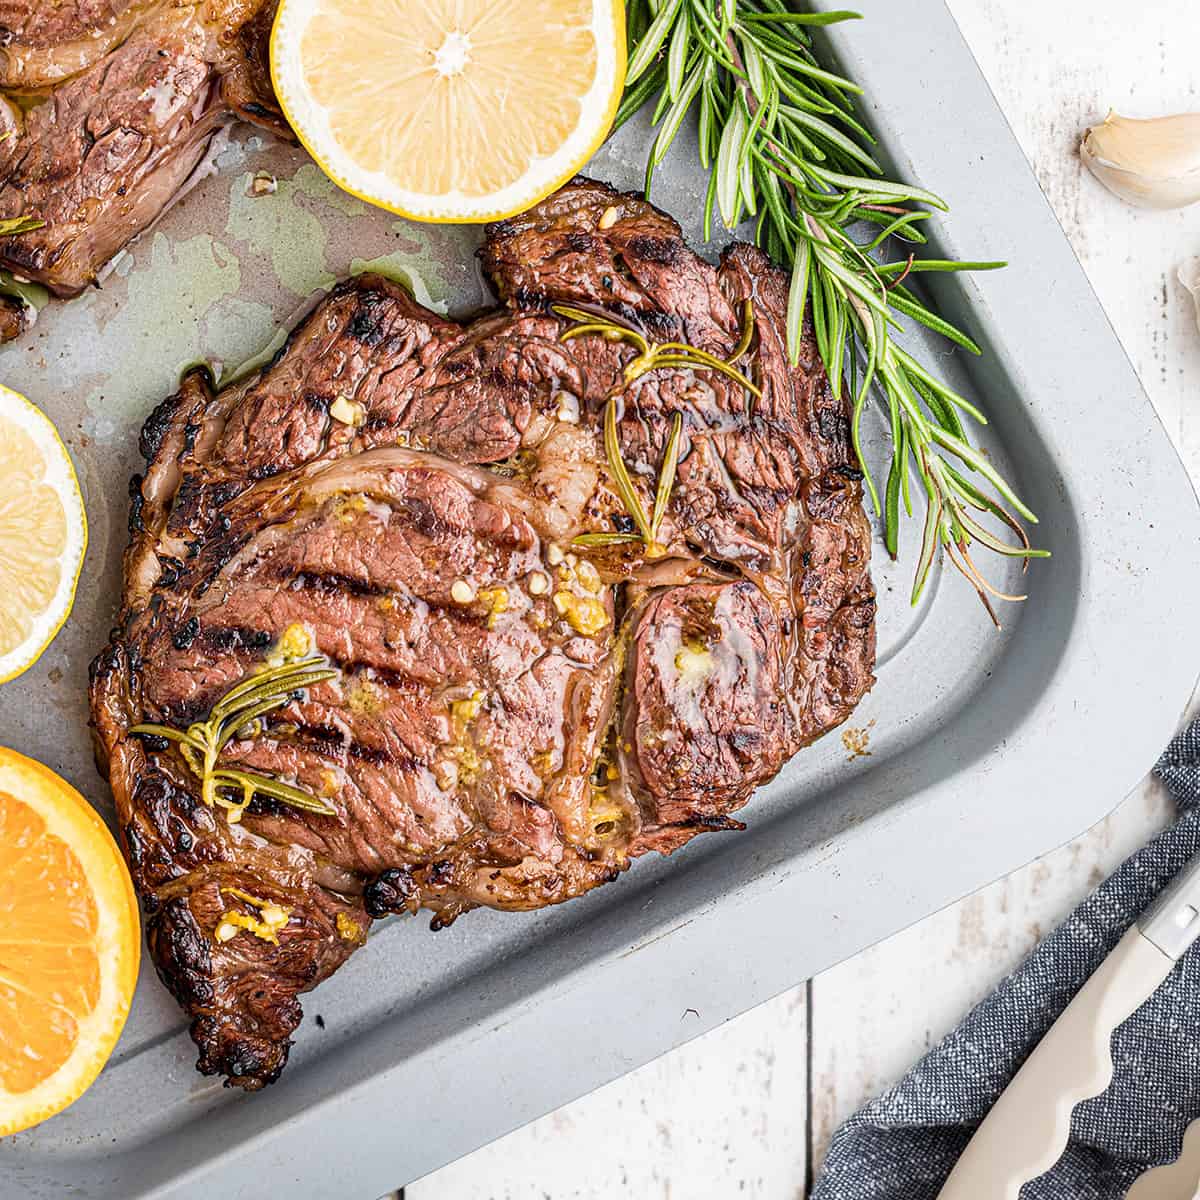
203,742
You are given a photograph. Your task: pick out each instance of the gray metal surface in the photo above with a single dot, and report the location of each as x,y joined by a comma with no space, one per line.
986,750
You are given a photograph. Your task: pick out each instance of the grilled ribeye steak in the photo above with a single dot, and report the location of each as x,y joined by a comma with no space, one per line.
515,715
118,101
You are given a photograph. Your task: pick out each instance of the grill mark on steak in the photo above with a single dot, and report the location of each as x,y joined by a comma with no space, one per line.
387,677
329,742
330,583
223,639
467,741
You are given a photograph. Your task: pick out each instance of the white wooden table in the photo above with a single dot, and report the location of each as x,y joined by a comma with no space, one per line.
748,1109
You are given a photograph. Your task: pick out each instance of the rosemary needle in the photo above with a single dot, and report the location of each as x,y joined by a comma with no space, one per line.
604,539
782,144
620,473
666,476
10,226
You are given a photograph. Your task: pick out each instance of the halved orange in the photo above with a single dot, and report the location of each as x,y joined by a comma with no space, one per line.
69,943
450,110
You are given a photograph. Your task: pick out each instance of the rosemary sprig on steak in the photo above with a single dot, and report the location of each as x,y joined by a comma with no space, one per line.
238,714
651,356
782,144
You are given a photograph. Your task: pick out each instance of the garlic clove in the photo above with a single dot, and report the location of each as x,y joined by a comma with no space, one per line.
1189,276
1154,164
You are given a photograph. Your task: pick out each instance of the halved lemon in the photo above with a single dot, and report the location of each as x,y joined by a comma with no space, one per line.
43,533
450,110
69,943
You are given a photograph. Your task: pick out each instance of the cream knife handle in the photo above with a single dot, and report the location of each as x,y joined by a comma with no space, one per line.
1026,1131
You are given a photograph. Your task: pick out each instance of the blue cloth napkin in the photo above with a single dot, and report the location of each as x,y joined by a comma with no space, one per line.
903,1145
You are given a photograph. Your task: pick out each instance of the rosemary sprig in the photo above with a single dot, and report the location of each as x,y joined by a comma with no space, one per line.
782,144
651,357
238,714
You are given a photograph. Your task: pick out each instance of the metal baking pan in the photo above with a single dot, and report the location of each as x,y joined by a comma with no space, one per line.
986,749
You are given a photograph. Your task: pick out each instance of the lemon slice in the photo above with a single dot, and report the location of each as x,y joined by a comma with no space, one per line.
43,533
450,110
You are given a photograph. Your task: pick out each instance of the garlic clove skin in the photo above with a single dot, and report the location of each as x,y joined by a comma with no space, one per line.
1154,164
1189,276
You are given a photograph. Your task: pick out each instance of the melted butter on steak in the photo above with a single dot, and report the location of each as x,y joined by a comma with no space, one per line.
515,719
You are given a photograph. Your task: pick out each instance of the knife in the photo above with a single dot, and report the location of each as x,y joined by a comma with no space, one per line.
1026,1131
